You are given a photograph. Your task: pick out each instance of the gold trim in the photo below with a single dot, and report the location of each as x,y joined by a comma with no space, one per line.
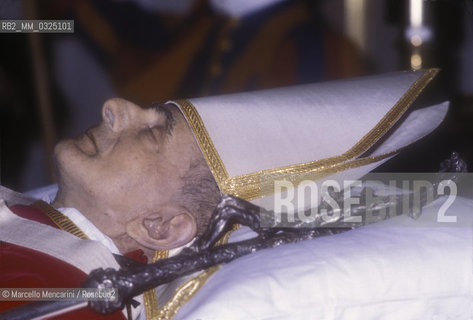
183,293
149,297
262,183
393,115
161,254
249,186
62,221
151,304
205,142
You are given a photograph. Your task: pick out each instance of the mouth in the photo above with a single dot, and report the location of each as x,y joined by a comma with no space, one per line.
88,143
92,139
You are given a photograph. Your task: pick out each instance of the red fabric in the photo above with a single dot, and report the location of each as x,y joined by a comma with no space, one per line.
32,213
137,255
22,267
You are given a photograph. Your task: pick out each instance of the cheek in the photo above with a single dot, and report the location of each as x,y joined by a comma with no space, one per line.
130,187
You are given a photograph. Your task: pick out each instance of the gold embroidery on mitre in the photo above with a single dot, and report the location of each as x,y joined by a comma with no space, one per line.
252,185
262,183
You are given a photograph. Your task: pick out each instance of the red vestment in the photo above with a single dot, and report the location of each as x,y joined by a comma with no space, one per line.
22,267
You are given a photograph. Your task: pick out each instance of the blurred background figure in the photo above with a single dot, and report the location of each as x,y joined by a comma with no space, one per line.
149,51
146,51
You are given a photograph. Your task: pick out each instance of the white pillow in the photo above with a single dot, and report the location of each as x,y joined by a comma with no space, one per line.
397,269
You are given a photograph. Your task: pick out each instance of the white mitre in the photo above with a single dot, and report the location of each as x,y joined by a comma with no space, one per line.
316,130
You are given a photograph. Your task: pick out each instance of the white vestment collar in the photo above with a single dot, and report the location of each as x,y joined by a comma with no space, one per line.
89,228
48,194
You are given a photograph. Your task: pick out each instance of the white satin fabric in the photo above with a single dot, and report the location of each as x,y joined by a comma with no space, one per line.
396,269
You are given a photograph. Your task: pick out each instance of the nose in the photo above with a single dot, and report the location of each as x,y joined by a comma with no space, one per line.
117,113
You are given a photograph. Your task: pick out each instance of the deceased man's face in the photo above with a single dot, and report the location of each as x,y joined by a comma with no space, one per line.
126,173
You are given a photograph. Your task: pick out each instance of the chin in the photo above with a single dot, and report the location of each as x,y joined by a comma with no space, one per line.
60,155
68,166
61,151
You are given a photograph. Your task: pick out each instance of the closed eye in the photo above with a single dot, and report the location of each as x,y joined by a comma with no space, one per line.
150,137
152,134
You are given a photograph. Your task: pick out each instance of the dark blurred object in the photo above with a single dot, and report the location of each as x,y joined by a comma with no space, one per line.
154,56
439,34
40,73
28,130
452,51
18,125
454,164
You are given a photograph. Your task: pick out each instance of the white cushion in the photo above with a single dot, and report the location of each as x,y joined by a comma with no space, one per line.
397,269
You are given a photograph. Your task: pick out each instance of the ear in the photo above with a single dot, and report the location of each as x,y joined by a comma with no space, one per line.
170,227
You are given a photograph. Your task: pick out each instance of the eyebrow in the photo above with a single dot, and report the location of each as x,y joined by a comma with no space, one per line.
162,109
